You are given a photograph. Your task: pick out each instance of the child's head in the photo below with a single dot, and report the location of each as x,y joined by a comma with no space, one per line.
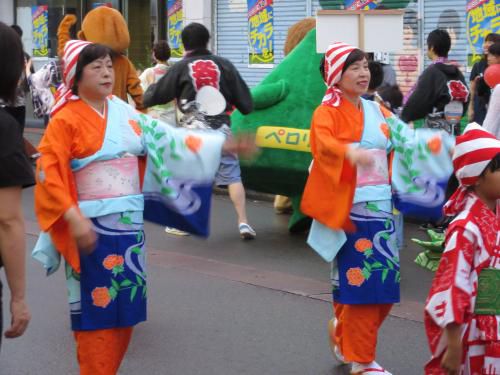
161,51
476,162
376,75
488,184
438,43
392,97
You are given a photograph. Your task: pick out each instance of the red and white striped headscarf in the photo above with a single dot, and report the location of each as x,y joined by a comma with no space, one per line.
335,58
474,150
72,51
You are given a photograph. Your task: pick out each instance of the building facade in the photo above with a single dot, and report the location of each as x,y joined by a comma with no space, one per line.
251,33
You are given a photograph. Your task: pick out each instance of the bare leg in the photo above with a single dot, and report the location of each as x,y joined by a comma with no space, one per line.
237,195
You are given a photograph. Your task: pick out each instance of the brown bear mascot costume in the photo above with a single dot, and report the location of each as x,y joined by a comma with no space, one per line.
107,26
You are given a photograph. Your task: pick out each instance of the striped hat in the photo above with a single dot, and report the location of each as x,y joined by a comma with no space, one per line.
335,58
474,150
72,50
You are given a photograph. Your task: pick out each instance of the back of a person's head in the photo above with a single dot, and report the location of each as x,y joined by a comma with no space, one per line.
17,29
161,50
11,61
195,36
494,49
376,74
440,42
391,95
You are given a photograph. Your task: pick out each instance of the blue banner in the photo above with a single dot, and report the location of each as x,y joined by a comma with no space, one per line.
175,25
483,17
40,20
260,31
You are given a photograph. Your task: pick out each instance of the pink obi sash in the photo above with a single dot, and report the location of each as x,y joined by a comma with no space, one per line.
375,174
108,179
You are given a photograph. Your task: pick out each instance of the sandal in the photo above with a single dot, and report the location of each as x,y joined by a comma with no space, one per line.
337,354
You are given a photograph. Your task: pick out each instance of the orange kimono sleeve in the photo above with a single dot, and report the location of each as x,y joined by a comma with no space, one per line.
55,190
328,151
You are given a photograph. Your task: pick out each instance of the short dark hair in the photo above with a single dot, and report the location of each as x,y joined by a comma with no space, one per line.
11,62
492,37
494,49
391,95
161,50
90,53
195,36
440,42
493,165
355,56
17,29
376,74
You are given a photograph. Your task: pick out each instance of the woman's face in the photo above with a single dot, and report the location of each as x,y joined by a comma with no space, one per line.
486,45
355,79
97,79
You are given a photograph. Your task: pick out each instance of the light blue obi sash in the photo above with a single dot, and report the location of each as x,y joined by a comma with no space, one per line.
328,242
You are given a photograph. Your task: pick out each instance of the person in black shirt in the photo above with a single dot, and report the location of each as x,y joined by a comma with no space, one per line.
201,68
15,173
439,84
479,90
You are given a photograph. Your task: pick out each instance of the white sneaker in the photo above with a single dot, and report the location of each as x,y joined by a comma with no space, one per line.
370,369
175,232
246,231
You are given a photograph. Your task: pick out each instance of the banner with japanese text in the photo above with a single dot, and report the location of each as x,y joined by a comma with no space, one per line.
40,21
360,4
260,32
175,25
483,17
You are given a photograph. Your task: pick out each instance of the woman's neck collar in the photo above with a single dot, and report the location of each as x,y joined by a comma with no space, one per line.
98,104
355,100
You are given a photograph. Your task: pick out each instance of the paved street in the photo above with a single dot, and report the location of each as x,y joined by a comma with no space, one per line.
223,306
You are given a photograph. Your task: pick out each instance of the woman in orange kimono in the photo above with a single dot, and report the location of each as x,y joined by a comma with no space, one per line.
92,191
349,196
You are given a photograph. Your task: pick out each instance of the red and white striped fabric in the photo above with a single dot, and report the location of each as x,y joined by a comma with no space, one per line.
474,150
335,58
72,51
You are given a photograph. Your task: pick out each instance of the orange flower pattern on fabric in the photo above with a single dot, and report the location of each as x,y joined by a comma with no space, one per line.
434,144
384,128
135,126
193,143
363,244
101,297
355,276
112,261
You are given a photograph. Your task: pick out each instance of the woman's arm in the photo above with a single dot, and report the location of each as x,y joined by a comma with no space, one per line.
470,111
12,251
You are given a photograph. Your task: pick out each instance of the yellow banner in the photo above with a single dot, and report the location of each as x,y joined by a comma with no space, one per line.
283,138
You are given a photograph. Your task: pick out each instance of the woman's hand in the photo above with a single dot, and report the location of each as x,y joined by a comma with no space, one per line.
359,157
452,358
81,230
20,317
241,144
